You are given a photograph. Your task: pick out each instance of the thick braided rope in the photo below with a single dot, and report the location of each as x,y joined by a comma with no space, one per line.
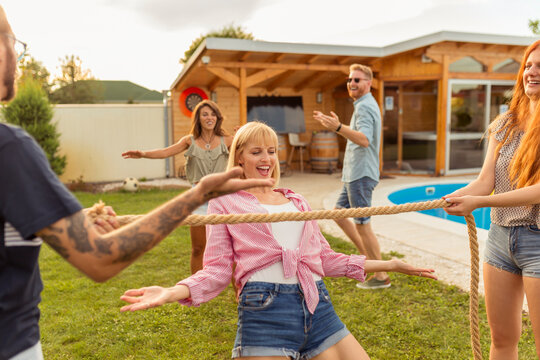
198,220
473,297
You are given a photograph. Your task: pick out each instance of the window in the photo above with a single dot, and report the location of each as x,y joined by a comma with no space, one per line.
285,114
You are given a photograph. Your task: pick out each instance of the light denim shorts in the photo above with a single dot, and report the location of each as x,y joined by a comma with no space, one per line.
515,249
201,210
273,320
357,194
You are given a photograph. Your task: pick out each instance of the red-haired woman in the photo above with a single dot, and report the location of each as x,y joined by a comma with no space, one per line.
512,170
207,152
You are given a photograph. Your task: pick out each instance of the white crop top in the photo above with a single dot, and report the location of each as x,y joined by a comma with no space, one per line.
288,235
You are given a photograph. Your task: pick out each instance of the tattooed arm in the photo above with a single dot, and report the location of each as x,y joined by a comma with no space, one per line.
103,256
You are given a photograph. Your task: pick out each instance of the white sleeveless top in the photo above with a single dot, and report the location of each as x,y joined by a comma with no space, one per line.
288,235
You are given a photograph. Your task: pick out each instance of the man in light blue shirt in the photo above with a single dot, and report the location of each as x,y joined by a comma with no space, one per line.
360,165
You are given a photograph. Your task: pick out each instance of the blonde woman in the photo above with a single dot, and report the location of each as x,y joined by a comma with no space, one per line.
279,268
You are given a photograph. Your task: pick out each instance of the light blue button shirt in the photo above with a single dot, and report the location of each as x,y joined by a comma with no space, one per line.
360,161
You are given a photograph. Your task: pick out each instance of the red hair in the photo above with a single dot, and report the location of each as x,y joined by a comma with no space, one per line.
525,164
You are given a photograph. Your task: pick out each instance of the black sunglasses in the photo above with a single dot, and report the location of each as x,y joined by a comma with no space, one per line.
356,80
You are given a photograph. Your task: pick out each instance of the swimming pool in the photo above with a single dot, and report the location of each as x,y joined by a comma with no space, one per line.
434,192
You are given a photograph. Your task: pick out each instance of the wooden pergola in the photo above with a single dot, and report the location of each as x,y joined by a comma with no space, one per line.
231,70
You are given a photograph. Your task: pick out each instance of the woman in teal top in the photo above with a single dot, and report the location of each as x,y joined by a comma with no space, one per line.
207,147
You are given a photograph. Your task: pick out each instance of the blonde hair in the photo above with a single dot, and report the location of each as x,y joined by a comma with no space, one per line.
363,68
525,164
253,132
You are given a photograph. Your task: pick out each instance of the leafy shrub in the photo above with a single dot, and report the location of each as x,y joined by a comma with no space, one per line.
31,110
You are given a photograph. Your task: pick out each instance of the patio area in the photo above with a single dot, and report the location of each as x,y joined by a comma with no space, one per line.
422,239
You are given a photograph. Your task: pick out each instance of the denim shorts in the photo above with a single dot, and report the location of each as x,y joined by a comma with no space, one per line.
273,320
515,249
357,194
201,210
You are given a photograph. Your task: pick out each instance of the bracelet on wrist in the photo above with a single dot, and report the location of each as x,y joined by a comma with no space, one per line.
339,127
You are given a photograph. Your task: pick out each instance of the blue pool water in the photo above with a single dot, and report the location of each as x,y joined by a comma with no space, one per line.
434,192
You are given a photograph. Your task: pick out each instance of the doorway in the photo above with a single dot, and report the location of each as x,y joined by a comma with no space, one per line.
409,127
472,106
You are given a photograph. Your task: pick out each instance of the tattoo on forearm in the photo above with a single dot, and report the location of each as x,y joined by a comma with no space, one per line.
56,244
103,246
133,245
77,232
169,220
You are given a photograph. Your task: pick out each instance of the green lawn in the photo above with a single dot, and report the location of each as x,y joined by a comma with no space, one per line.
414,319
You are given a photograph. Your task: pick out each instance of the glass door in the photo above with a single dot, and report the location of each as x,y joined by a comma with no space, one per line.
472,105
409,127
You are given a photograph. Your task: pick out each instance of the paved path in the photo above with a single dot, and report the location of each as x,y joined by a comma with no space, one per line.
422,239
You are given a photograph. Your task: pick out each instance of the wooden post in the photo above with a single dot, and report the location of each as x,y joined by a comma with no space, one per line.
400,128
242,95
440,156
380,100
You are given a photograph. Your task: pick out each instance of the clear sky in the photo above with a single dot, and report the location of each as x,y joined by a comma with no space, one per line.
143,40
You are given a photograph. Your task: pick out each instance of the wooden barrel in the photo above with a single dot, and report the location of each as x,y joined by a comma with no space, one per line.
324,151
282,153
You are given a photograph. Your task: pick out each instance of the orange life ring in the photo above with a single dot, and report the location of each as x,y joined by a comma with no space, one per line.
189,98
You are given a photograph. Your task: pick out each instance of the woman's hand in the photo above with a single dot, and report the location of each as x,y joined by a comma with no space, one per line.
408,269
461,205
133,154
153,296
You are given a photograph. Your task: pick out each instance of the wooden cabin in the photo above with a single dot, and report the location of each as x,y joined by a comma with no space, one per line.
437,93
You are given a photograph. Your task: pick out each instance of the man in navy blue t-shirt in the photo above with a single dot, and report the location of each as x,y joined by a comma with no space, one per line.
35,207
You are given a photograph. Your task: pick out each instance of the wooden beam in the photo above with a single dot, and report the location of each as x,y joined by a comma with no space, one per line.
279,80
400,128
277,57
474,50
379,95
488,76
242,96
263,75
244,56
225,74
410,78
214,83
264,65
442,104
342,60
312,59
308,81
330,85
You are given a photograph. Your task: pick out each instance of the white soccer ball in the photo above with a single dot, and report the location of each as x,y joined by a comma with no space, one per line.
130,184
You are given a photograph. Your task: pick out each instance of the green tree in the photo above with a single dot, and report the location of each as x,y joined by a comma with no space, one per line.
31,110
71,87
33,69
534,26
228,31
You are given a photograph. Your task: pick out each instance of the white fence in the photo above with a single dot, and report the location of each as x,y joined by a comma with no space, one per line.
93,138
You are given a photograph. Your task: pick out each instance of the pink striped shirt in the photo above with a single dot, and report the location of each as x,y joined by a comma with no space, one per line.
252,247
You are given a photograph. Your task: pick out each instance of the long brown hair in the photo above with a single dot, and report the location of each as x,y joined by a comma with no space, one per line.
196,128
526,160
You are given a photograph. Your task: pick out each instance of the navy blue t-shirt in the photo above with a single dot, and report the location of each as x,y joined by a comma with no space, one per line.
31,198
